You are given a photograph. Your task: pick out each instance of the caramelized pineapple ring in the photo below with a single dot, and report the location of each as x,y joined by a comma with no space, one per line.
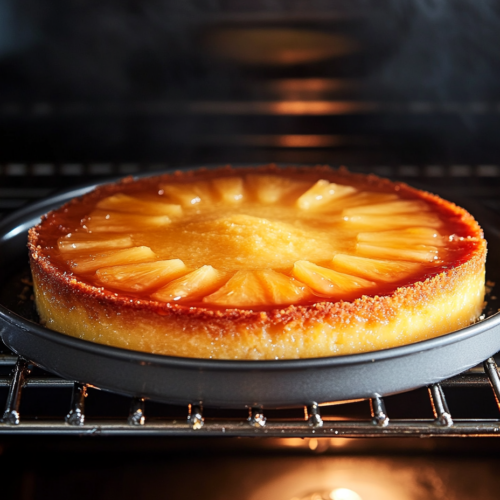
93,262
129,204
247,288
141,277
81,242
195,285
254,241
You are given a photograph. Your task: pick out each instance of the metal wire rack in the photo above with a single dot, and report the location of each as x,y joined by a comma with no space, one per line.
312,423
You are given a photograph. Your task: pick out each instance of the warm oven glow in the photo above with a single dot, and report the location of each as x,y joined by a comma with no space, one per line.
276,46
345,478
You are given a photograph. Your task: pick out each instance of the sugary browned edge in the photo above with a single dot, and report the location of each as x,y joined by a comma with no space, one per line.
381,308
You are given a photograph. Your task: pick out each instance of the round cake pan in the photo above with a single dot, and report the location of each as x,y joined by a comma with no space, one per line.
236,384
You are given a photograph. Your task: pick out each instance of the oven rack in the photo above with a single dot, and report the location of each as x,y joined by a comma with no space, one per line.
313,424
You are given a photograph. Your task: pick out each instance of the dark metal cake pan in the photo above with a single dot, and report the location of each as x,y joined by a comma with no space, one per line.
236,384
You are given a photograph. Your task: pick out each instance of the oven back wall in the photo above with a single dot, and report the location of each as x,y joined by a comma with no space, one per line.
181,82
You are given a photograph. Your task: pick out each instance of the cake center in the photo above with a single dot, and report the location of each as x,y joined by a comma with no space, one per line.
240,241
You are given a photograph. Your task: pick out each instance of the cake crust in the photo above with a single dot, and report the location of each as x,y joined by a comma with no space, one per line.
450,299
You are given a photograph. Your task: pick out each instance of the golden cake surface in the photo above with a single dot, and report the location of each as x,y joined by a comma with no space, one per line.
258,263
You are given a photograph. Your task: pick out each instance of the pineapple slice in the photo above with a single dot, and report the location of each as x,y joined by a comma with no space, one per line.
80,242
392,207
358,199
402,238
269,189
229,189
190,193
361,198
91,263
323,193
389,221
123,203
328,282
257,288
192,286
386,271
414,253
282,289
101,221
142,277
242,290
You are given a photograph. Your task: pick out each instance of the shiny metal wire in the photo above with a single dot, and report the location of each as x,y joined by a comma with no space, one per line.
312,424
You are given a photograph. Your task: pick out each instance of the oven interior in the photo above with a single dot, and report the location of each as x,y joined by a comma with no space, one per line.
406,91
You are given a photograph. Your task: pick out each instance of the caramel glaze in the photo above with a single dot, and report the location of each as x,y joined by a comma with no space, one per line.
466,253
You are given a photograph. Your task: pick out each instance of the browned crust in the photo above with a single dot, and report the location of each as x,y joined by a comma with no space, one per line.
379,309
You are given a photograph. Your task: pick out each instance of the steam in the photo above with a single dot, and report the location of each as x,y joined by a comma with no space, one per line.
107,49
444,50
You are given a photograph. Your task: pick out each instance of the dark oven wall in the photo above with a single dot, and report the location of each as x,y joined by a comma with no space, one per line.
182,83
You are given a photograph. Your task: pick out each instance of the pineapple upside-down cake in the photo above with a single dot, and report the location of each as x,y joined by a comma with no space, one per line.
257,263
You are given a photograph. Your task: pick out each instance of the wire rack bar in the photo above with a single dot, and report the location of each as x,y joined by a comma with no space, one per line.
314,417
491,368
403,428
76,415
42,382
19,375
440,406
378,412
312,424
195,418
136,414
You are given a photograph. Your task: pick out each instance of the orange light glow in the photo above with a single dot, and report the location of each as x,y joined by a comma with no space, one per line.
313,444
319,107
318,445
294,141
344,494
283,141
344,478
311,84
282,107
340,442
276,46
292,442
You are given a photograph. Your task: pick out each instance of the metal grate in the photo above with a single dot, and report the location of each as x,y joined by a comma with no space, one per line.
313,421
21,183
465,405
61,171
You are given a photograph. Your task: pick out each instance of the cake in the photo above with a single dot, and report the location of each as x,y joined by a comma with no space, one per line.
257,263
